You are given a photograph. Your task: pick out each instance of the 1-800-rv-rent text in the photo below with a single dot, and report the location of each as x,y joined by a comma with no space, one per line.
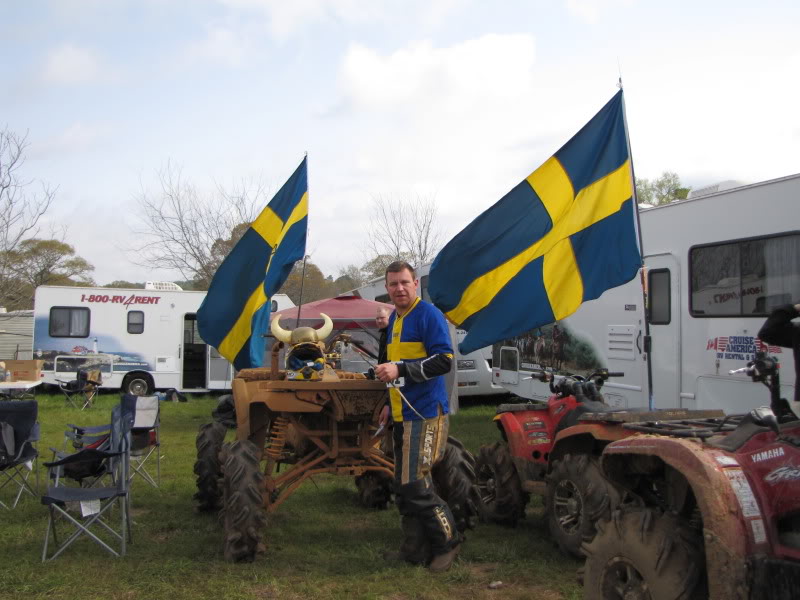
140,339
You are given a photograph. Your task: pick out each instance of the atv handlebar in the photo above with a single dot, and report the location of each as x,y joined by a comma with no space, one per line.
766,370
583,389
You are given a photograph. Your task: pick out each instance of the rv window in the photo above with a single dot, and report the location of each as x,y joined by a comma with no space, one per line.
509,360
191,334
659,293
274,306
744,278
135,321
69,321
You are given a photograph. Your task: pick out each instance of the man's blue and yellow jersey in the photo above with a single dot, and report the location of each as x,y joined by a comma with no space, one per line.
417,335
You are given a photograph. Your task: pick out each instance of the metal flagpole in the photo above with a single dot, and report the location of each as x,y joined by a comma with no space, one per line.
302,281
647,339
305,256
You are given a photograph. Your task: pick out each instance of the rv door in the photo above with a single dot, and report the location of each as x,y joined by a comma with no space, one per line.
664,313
220,371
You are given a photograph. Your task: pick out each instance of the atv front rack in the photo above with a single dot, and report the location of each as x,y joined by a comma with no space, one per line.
672,422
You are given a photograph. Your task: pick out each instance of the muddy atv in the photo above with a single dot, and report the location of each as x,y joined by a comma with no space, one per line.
553,449
317,426
710,508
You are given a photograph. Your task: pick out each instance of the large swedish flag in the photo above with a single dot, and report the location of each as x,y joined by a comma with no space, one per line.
561,237
235,313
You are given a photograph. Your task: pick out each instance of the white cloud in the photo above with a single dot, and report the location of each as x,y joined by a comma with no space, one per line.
467,80
221,45
286,18
442,122
69,64
590,11
76,138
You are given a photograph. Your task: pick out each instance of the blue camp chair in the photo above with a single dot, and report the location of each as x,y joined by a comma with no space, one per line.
97,502
19,433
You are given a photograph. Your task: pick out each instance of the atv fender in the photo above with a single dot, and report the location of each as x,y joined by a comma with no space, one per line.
730,511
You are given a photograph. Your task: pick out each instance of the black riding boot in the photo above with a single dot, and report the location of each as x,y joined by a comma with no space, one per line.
415,548
419,501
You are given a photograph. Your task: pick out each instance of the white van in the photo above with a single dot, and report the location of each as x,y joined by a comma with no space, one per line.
141,339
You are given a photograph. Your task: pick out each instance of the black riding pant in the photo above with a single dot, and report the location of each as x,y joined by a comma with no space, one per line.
418,445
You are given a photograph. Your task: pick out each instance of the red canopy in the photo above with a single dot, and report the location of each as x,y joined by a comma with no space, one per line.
346,312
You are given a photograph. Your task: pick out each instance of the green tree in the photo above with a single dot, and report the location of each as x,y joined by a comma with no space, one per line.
120,283
314,285
376,266
662,190
46,262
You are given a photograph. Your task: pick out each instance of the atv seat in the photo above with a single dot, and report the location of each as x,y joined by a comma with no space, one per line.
504,408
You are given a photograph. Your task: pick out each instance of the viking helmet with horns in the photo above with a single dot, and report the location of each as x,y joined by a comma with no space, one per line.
302,335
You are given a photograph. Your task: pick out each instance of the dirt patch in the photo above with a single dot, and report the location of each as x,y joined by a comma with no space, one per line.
484,574
505,591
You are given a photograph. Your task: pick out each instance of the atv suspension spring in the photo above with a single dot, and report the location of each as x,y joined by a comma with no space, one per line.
277,438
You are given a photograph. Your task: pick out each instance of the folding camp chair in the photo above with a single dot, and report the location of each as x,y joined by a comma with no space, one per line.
78,437
145,439
84,386
19,432
96,503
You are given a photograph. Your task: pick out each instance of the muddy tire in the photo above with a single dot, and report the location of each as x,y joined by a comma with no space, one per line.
643,553
454,478
208,468
501,495
244,515
374,489
577,497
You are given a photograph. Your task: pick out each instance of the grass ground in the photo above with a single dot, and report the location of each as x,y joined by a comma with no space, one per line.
320,542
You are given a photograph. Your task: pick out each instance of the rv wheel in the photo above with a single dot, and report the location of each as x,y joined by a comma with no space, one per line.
138,384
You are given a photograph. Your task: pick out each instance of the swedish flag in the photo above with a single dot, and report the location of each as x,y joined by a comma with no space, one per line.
235,313
561,237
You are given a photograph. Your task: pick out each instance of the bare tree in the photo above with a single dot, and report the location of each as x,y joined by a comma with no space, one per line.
403,229
23,202
187,231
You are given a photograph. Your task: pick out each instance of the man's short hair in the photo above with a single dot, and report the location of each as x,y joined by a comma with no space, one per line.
397,267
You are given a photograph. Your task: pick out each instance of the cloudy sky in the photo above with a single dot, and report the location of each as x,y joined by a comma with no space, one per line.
454,100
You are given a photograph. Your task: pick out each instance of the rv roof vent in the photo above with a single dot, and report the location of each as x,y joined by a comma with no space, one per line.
163,286
722,186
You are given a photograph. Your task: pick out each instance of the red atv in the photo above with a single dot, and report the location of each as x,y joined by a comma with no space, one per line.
668,504
710,507
547,449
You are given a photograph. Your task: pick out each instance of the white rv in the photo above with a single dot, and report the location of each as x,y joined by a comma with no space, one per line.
141,339
473,370
715,266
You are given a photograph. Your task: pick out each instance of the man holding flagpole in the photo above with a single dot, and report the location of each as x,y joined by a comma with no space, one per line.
419,353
